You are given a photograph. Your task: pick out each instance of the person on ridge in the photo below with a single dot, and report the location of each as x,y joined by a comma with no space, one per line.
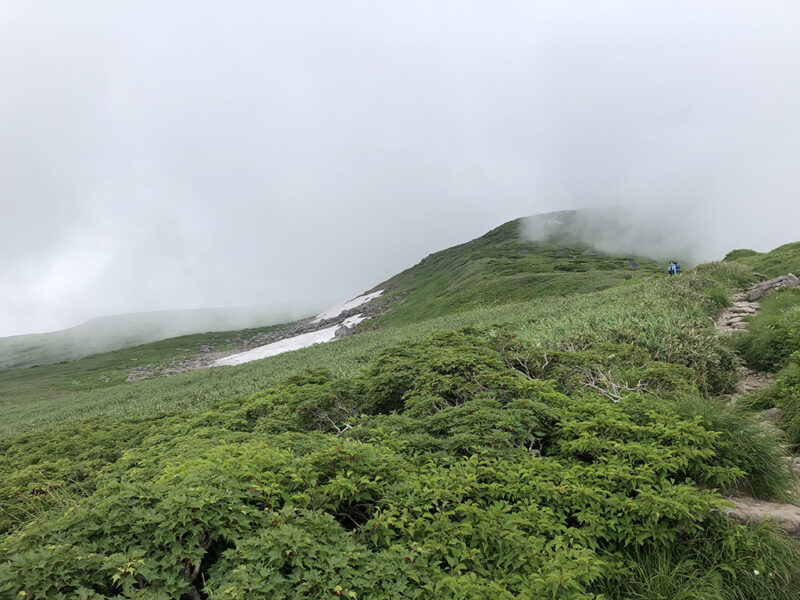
672,269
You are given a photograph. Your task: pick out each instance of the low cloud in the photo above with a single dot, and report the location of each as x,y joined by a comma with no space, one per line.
180,155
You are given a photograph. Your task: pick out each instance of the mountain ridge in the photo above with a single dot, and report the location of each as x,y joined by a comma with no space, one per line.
478,438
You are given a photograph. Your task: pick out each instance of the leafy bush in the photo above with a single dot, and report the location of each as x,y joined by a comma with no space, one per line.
468,465
45,470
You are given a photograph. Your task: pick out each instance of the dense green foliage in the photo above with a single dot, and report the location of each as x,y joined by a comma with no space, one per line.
772,342
484,441
470,465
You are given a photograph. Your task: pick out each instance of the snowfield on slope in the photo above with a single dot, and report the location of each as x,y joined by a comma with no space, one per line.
304,340
287,345
334,312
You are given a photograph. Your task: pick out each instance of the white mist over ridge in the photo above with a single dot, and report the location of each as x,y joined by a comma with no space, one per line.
670,231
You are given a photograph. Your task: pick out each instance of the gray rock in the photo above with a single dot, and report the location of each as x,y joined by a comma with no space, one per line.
749,510
771,414
765,288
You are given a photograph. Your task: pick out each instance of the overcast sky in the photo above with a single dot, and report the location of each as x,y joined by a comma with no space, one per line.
160,155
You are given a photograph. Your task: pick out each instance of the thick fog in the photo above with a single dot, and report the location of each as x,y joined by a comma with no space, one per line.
165,155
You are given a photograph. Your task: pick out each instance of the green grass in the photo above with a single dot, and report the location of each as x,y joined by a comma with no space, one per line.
774,333
445,468
502,267
52,384
749,445
491,437
772,343
653,314
496,278
705,570
780,261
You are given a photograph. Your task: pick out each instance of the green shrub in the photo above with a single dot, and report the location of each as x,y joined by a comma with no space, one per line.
448,468
50,469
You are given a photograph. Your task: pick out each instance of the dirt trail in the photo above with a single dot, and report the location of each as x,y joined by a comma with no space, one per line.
746,509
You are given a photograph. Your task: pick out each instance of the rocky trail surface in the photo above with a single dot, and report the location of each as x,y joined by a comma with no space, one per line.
730,322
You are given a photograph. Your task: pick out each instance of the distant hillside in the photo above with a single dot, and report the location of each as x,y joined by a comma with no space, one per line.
104,334
780,261
505,265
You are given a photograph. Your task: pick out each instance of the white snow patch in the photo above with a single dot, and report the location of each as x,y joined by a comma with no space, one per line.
287,345
354,320
334,312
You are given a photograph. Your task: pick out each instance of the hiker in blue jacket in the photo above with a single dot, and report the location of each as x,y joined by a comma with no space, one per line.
673,268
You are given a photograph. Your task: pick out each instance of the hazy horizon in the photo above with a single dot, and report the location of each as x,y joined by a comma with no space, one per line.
190,155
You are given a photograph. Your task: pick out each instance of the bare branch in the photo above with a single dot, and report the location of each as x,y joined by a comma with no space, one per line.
324,416
602,382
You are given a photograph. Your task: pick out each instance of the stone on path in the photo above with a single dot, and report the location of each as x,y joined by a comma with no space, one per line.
749,510
765,288
771,414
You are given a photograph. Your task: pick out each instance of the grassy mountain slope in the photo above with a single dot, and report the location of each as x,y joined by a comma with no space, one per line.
104,334
502,267
555,446
780,261
495,270
58,387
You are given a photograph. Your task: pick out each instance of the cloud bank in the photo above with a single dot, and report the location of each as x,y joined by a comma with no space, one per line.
199,154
